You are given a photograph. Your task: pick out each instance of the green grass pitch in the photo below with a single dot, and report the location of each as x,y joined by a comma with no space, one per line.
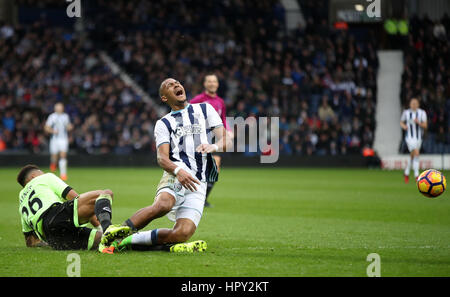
265,222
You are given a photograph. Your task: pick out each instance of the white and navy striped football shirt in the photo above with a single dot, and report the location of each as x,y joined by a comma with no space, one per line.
59,122
185,130
414,131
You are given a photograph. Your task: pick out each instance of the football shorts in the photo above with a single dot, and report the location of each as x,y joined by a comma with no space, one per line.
413,144
188,204
58,145
62,230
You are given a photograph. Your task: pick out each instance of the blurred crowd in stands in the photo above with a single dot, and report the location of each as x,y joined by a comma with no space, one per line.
41,65
320,82
427,76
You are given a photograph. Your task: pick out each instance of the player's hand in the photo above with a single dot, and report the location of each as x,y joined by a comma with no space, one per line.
206,148
187,180
416,121
55,131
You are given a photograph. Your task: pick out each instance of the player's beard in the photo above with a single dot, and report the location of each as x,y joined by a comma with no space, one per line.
181,103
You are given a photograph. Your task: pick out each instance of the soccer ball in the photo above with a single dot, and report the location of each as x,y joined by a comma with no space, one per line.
431,183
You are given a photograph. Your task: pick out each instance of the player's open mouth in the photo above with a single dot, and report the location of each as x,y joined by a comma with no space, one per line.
179,92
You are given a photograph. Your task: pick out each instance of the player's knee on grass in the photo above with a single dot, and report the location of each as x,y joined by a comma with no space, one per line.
181,235
182,232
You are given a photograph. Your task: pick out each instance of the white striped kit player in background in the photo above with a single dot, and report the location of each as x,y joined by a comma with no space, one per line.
413,122
184,153
58,125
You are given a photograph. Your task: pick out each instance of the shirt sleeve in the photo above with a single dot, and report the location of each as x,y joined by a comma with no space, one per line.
423,119
57,185
67,120
49,121
162,134
213,119
403,118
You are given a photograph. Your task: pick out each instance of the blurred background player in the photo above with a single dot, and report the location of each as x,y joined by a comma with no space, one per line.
58,125
413,122
211,85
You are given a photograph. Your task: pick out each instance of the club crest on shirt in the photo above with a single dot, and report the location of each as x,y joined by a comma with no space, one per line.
177,187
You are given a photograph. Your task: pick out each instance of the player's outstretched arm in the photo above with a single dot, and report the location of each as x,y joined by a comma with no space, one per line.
184,177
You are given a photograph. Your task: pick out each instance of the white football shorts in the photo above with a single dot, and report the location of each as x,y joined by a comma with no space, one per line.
188,204
413,144
58,145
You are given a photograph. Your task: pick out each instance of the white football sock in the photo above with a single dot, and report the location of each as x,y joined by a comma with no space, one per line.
408,167
62,166
145,237
416,166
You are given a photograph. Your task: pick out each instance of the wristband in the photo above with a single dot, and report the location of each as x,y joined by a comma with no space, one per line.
216,147
175,172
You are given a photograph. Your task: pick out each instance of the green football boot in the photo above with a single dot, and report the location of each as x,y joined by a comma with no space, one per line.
189,247
114,232
123,244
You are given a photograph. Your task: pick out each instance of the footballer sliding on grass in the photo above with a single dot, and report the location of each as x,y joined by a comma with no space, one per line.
53,214
184,152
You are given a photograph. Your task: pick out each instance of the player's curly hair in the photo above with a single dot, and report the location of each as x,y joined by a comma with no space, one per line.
23,173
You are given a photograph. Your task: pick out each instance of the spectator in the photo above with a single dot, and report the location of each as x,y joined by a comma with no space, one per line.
326,113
